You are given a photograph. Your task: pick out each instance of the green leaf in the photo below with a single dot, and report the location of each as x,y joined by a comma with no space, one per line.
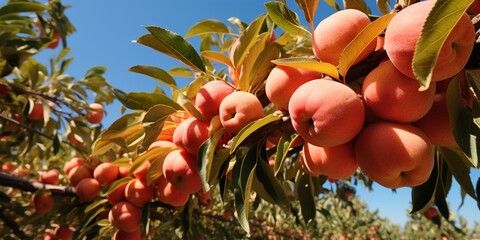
217,57
283,145
304,193
155,171
270,186
423,195
333,4
205,158
247,39
462,124
143,100
442,189
207,26
181,72
309,8
384,6
150,156
175,46
244,171
153,122
19,7
187,104
459,165
251,128
361,41
310,64
440,22
155,73
356,4
285,19
117,184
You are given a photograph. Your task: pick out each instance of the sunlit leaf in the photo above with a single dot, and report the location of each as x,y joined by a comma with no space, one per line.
438,26
384,6
207,26
333,4
309,8
310,64
217,57
181,72
187,104
251,128
285,18
153,122
156,73
19,7
206,155
356,4
361,41
175,46
247,39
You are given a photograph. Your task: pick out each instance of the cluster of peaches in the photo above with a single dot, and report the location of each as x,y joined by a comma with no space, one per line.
388,127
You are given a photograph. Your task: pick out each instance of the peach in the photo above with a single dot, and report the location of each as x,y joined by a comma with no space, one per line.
436,123
125,216
8,167
36,112
64,232
210,96
118,194
326,113
51,176
105,173
42,202
123,172
79,173
335,32
74,162
394,154
96,113
283,81
87,189
239,109
190,134
393,96
335,162
138,193
404,30
180,169
122,235
169,194
474,8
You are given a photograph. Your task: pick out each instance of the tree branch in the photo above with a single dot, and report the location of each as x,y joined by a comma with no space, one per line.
25,185
10,223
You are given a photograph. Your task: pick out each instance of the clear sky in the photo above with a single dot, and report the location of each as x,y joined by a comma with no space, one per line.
106,28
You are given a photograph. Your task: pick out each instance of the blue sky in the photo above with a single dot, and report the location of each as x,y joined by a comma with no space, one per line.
105,30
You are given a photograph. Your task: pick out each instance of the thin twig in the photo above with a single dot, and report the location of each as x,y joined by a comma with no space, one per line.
10,223
28,186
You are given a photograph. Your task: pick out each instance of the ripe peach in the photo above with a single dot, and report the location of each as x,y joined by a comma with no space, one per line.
36,112
239,109
335,162
51,176
125,216
169,194
436,124
8,167
87,189
283,81
326,113
64,232
123,172
118,194
122,235
79,173
180,169
105,173
190,134
210,96
138,193
74,162
393,96
394,154
96,113
335,32
42,202
404,30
